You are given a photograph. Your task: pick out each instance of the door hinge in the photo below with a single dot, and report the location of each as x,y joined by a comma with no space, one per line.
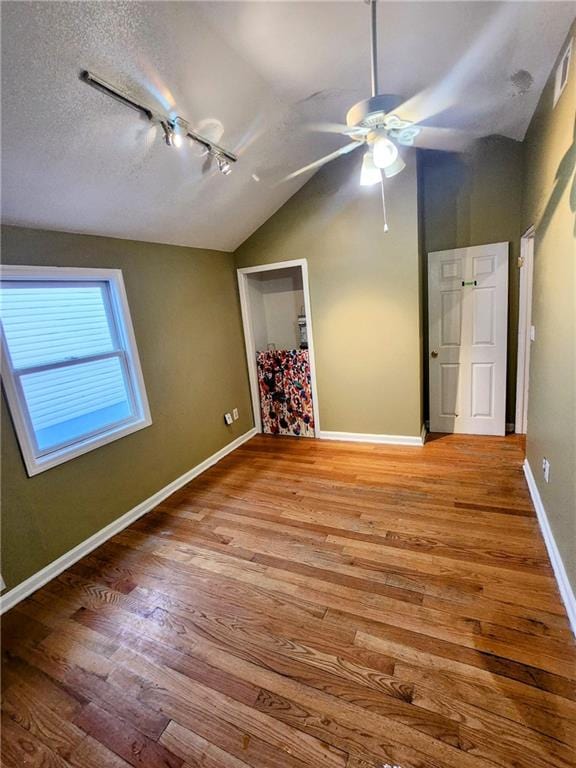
520,262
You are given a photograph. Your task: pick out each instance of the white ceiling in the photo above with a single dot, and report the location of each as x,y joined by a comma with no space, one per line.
76,160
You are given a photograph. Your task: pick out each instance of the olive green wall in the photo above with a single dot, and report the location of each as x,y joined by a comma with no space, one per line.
185,312
472,200
550,205
364,291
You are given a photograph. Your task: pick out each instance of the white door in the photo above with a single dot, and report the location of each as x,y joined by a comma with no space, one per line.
468,317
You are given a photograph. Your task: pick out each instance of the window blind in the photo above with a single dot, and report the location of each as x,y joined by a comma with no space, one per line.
64,350
46,323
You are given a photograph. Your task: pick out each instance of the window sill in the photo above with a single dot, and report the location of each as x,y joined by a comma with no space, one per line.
36,465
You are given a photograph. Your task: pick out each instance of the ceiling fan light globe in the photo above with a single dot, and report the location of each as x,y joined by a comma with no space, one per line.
392,170
369,174
385,152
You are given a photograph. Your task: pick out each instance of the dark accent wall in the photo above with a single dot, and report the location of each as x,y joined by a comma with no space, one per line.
472,200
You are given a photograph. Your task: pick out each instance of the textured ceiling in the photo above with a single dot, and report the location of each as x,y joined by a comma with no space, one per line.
76,160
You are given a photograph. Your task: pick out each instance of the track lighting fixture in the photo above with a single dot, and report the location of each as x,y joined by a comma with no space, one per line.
175,128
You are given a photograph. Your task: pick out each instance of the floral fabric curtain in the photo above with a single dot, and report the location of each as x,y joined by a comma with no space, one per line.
285,392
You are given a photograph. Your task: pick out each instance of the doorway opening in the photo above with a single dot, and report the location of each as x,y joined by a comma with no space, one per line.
275,303
525,329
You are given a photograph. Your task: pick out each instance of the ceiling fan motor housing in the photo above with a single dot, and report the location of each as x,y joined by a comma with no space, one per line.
375,116
371,113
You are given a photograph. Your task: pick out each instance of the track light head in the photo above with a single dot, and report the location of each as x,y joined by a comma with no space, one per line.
168,133
180,130
174,131
224,165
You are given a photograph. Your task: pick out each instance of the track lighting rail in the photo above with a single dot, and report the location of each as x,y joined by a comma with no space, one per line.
223,156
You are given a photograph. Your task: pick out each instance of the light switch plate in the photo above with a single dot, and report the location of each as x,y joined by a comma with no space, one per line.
532,333
235,414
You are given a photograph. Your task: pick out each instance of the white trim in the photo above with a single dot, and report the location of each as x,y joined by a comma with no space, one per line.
250,344
35,462
524,323
566,590
55,568
272,266
359,437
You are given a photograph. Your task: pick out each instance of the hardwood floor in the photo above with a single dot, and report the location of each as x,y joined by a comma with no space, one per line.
306,603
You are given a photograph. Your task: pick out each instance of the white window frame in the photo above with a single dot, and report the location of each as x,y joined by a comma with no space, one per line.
563,66
37,461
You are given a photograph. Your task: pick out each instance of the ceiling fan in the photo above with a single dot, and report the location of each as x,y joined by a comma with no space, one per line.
377,124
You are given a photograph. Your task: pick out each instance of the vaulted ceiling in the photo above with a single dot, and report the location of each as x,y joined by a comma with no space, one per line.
76,160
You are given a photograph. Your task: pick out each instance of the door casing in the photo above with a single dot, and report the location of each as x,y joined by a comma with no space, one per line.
526,266
243,275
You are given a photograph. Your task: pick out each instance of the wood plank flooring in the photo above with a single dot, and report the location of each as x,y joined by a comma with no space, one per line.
306,603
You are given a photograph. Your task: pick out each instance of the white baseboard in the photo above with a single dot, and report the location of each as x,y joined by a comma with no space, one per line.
566,590
358,437
15,595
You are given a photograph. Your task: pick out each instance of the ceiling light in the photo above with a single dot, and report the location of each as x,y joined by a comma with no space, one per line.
179,131
168,133
369,174
397,166
223,165
384,152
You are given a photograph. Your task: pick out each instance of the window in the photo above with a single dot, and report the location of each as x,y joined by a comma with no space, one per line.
562,73
70,366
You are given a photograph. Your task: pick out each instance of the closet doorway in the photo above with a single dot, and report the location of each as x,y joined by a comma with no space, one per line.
275,302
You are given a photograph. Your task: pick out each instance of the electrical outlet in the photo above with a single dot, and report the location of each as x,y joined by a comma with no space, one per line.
228,418
235,414
546,469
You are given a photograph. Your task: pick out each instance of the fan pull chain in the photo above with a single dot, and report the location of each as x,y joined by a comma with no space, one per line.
383,202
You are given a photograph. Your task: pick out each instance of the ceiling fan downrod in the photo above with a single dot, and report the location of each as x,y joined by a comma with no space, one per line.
374,46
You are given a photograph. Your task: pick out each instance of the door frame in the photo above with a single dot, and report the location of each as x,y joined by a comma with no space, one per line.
526,266
243,275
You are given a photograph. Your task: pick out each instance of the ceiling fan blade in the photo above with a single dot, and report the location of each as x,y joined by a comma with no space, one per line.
454,86
444,139
323,160
340,128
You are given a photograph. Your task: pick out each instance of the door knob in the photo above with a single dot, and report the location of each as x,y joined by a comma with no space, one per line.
434,353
